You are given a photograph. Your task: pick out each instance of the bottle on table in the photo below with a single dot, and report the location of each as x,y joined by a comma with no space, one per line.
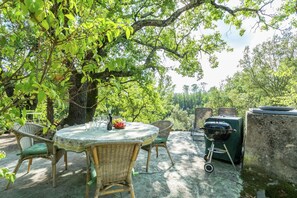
109,124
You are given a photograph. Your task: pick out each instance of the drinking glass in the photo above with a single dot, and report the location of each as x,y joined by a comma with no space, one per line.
102,120
98,121
87,126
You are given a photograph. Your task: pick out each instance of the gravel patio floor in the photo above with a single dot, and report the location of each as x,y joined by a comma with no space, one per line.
186,178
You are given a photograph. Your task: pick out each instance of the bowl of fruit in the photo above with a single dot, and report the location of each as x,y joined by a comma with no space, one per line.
118,123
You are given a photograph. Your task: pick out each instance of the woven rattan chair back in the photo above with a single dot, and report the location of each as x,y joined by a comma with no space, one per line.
201,114
26,142
164,126
113,163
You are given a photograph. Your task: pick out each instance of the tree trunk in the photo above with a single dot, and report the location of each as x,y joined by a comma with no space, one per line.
50,110
78,101
92,100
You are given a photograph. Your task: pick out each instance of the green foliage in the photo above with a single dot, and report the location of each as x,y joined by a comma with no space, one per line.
273,70
4,172
268,77
286,15
182,115
189,100
44,43
147,102
37,39
183,121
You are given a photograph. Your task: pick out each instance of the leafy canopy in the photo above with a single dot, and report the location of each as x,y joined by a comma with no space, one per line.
44,42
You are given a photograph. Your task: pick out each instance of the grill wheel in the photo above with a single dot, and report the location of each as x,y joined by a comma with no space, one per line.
208,167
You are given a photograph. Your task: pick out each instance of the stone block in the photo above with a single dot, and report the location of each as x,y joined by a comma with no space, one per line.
270,144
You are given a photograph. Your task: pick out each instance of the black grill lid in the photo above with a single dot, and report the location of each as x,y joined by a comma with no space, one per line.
217,125
219,131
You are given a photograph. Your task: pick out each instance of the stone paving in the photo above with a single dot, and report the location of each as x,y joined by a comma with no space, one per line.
186,178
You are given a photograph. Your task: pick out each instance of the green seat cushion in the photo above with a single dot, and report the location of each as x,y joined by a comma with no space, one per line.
93,174
35,149
159,140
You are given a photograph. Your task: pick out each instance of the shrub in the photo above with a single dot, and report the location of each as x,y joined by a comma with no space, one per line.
4,172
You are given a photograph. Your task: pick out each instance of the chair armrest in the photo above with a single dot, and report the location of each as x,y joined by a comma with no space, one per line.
165,132
49,143
23,134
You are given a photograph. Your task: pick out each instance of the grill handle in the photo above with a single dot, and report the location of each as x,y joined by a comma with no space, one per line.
233,130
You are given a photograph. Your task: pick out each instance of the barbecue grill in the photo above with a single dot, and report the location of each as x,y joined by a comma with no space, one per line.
216,131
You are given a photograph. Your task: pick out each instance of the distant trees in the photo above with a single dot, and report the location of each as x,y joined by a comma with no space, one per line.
182,119
188,100
272,70
269,77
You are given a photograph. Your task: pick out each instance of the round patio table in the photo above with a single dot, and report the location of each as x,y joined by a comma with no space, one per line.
74,138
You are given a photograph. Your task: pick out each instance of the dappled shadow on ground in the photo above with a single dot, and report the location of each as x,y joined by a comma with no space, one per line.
8,142
186,178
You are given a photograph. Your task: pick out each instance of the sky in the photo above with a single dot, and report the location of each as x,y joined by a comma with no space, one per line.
228,61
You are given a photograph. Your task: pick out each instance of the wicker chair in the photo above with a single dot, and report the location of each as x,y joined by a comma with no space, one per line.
227,111
110,165
165,127
33,146
201,114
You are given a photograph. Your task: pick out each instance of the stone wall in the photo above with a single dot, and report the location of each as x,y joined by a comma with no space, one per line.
270,144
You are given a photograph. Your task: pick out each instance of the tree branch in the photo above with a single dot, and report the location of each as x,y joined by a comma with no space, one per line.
163,23
2,4
259,11
106,74
149,57
160,47
229,10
